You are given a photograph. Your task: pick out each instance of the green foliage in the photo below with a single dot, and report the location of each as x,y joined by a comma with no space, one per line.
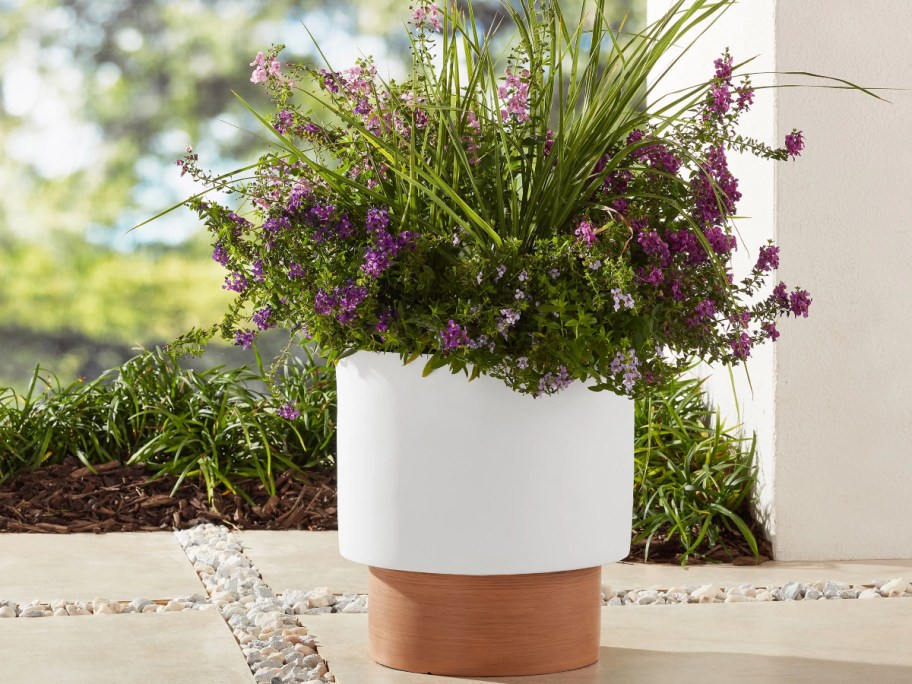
130,298
693,474
210,424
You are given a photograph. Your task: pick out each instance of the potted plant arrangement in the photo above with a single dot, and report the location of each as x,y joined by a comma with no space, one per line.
498,254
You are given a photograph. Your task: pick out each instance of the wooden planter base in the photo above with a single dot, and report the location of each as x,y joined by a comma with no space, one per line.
485,626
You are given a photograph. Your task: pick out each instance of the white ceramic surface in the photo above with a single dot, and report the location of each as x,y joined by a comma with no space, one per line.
438,474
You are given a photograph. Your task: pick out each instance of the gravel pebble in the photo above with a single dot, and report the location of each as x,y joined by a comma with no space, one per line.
278,649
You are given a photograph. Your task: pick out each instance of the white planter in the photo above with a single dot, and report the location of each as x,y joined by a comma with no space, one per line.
440,475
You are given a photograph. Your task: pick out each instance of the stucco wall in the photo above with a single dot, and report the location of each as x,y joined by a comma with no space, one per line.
829,400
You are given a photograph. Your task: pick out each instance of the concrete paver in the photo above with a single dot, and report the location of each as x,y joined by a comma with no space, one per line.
303,560
73,567
187,647
819,641
655,576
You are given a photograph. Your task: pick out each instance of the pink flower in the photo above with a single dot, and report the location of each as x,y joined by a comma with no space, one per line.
259,75
275,68
427,16
259,60
586,233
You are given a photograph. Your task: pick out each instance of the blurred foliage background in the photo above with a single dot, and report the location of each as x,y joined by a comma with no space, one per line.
97,100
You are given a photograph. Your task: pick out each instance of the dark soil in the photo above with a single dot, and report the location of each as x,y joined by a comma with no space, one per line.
70,498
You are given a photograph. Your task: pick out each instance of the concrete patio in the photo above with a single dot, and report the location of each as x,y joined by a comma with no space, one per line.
795,641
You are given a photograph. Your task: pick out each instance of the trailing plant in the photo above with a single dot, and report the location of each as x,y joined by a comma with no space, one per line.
693,474
213,424
540,217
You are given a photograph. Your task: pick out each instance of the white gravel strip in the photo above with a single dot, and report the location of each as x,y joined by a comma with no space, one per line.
101,606
743,593
277,647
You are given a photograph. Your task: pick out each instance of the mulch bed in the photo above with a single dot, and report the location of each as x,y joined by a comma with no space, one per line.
69,498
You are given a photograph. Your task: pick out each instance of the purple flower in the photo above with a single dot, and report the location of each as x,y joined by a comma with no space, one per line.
585,233
655,246
377,220
522,362
554,273
322,212
500,272
800,302
344,227
324,303
770,329
383,321
780,294
510,317
523,276
220,254
285,119
236,282
720,241
261,317
741,345
715,171
794,143
621,299
376,261
520,295
704,310
481,342
454,336
289,412
244,339
330,81
768,259
635,136
742,319
653,276
549,142
723,67
551,383
721,100
626,364
350,296
745,98
363,107
276,224
257,271
296,271
385,247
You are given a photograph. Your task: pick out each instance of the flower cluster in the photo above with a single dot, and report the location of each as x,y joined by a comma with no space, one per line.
473,230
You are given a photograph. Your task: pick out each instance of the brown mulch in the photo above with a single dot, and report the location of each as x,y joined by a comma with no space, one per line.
69,498
735,550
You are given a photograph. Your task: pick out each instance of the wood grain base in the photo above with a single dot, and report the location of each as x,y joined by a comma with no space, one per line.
484,626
